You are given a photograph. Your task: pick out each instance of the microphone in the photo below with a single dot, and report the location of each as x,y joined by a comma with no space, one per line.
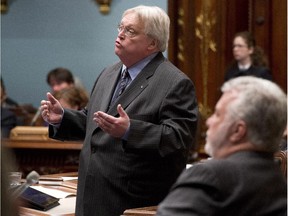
31,178
35,117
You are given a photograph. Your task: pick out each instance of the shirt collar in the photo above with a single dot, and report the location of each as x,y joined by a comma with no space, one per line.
138,67
244,67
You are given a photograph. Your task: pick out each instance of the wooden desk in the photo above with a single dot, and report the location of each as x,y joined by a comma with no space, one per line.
145,211
66,208
67,205
45,156
41,144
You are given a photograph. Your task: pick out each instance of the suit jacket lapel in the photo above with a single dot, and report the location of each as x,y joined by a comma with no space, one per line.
137,85
110,80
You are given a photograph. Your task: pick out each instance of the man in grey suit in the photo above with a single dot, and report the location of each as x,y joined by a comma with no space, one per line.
138,125
242,177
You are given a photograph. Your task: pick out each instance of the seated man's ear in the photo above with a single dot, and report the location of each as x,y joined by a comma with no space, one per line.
239,131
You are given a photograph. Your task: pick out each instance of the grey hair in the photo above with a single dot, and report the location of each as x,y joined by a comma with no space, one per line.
157,23
262,105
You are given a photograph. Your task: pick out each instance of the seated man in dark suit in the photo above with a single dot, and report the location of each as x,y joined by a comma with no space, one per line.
241,178
8,122
8,118
6,101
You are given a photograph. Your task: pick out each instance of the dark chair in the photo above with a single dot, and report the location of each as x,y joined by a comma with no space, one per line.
281,158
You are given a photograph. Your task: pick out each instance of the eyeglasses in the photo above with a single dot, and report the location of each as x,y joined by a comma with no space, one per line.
127,31
239,46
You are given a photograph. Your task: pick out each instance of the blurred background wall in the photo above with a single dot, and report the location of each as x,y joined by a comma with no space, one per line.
40,35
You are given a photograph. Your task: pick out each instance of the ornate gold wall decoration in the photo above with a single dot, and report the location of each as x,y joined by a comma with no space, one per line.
205,22
104,6
4,6
180,40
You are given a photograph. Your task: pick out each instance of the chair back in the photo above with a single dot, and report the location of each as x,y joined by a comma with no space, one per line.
281,158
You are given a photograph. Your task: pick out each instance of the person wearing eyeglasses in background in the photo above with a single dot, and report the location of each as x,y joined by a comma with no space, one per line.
249,59
139,124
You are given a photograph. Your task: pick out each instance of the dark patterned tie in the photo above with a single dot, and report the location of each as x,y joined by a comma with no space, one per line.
123,82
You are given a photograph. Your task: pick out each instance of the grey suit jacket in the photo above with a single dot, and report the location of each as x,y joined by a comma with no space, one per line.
246,183
114,174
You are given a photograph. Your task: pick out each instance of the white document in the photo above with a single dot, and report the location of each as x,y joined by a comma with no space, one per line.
53,192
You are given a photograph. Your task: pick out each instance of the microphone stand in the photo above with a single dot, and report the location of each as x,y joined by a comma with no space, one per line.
35,117
31,178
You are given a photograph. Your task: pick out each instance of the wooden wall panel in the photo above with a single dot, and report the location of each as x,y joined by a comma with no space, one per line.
260,23
201,42
236,20
269,26
278,50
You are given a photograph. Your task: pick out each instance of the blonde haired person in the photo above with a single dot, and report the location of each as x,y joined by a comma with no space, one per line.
72,98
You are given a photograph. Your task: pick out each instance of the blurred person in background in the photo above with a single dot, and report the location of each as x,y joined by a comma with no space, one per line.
72,98
6,101
8,117
60,78
249,59
9,205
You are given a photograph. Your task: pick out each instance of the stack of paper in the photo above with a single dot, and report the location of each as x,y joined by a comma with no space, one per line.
69,181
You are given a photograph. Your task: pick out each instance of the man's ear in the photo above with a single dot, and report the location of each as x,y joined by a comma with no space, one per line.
239,131
153,44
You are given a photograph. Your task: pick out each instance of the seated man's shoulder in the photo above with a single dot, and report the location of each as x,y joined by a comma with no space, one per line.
214,171
208,169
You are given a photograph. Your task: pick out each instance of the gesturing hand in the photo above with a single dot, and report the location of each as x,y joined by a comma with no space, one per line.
115,126
51,110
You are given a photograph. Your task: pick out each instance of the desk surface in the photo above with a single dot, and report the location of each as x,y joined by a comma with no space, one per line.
145,211
67,205
41,144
